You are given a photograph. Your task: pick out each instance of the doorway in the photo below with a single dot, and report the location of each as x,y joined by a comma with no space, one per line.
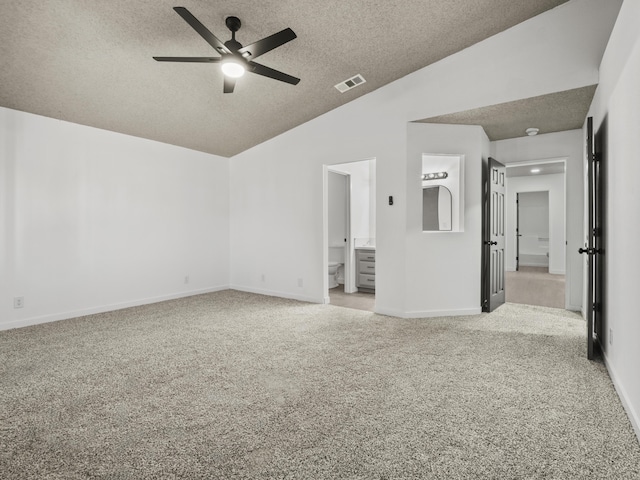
536,234
349,230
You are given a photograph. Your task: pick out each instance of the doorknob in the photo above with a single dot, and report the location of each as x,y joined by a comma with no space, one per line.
488,242
588,251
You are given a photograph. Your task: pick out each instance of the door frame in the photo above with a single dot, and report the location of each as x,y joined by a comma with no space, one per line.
567,270
595,244
349,278
350,256
518,234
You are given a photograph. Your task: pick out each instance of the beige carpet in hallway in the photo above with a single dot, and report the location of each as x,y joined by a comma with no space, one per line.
359,300
535,286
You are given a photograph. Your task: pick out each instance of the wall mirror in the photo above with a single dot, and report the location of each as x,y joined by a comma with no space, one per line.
436,208
442,193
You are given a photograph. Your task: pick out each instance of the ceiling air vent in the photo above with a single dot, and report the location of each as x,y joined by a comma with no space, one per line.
350,83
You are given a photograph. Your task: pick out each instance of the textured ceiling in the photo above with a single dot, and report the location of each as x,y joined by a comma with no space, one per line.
555,112
89,61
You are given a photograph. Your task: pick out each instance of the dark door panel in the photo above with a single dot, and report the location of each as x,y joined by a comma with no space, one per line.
494,236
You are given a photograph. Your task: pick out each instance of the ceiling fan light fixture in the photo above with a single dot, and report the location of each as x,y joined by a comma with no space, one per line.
231,67
532,131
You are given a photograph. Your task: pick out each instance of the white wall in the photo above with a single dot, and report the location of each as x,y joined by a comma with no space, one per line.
277,187
443,269
569,145
618,98
533,218
533,210
554,184
92,220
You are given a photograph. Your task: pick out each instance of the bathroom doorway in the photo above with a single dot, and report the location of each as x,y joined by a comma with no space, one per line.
349,234
536,234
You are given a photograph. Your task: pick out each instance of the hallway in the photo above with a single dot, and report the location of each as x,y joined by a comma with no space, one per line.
535,286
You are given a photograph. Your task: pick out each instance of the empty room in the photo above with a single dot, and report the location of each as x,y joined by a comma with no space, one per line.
276,239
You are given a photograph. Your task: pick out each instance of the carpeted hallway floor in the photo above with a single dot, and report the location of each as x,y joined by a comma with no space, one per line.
535,286
235,385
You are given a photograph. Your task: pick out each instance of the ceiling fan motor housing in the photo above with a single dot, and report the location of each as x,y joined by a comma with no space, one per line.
233,23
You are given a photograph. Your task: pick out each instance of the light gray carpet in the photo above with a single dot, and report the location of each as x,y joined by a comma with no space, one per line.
535,286
235,385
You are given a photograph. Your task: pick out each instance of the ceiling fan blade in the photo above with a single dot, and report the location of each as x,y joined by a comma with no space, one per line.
271,73
209,37
188,59
229,84
267,44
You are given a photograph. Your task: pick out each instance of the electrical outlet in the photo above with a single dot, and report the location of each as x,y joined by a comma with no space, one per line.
186,279
300,282
611,336
18,302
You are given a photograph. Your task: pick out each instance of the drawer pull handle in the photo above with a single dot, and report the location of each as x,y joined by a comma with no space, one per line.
371,267
370,280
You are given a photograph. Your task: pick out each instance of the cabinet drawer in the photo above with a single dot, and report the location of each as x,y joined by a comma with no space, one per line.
367,267
369,256
366,281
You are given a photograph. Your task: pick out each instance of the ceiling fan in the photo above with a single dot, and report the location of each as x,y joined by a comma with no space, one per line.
234,58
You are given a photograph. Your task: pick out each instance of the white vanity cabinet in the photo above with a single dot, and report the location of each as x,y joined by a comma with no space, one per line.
365,269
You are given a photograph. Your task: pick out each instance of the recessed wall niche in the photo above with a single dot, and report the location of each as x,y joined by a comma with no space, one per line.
442,192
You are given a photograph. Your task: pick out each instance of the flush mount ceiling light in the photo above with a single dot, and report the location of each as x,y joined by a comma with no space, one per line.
532,131
535,170
434,176
231,67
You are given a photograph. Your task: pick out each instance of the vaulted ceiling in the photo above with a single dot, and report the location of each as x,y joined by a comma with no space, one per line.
90,61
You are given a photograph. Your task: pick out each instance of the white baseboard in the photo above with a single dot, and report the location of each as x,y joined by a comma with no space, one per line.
54,317
428,313
557,272
389,312
634,418
575,308
274,293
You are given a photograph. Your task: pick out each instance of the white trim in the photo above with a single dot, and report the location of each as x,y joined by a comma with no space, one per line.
557,272
349,255
389,312
350,263
542,161
26,322
567,270
429,313
634,417
274,293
